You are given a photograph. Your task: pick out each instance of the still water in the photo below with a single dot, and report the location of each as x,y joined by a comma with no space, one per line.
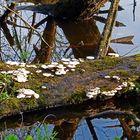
83,122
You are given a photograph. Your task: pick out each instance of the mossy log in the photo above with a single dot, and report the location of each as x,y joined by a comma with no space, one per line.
71,88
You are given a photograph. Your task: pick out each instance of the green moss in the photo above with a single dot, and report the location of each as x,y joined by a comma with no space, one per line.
100,64
28,104
77,97
8,105
133,66
120,72
137,57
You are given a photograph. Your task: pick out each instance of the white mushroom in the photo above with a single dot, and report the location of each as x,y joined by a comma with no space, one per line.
108,93
54,63
19,96
44,66
81,60
60,66
27,93
118,88
113,54
12,63
90,57
47,74
93,92
36,95
38,71
71,66
60,72
74,62
3,72
65,59
51,66
124,84
20,78
116,77
22,64
107,77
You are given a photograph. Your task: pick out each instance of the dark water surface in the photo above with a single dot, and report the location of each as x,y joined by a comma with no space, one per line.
72,39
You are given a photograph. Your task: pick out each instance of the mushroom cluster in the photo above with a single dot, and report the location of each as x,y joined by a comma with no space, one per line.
20,75
93,92
112,77
26,93
59,69
113,54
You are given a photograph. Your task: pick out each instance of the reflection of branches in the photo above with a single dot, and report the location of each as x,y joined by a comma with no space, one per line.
118,113
134,8
91,128
127,119
26,23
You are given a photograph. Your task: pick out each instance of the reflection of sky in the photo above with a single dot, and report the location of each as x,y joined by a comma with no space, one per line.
102,128
132,28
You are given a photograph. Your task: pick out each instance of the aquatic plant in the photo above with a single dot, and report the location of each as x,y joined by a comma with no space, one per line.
116,138
41,132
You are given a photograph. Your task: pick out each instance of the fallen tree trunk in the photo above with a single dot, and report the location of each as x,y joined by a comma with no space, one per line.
72,88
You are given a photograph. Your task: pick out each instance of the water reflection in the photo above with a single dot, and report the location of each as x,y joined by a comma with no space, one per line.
76,39
83,37
98,121
66,38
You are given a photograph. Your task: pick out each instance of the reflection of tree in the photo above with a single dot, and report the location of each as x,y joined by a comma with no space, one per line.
44,54
66,120
134,9
126,119
67,129
83,37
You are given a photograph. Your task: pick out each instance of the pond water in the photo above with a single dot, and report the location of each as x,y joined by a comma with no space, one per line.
98,121
20,42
